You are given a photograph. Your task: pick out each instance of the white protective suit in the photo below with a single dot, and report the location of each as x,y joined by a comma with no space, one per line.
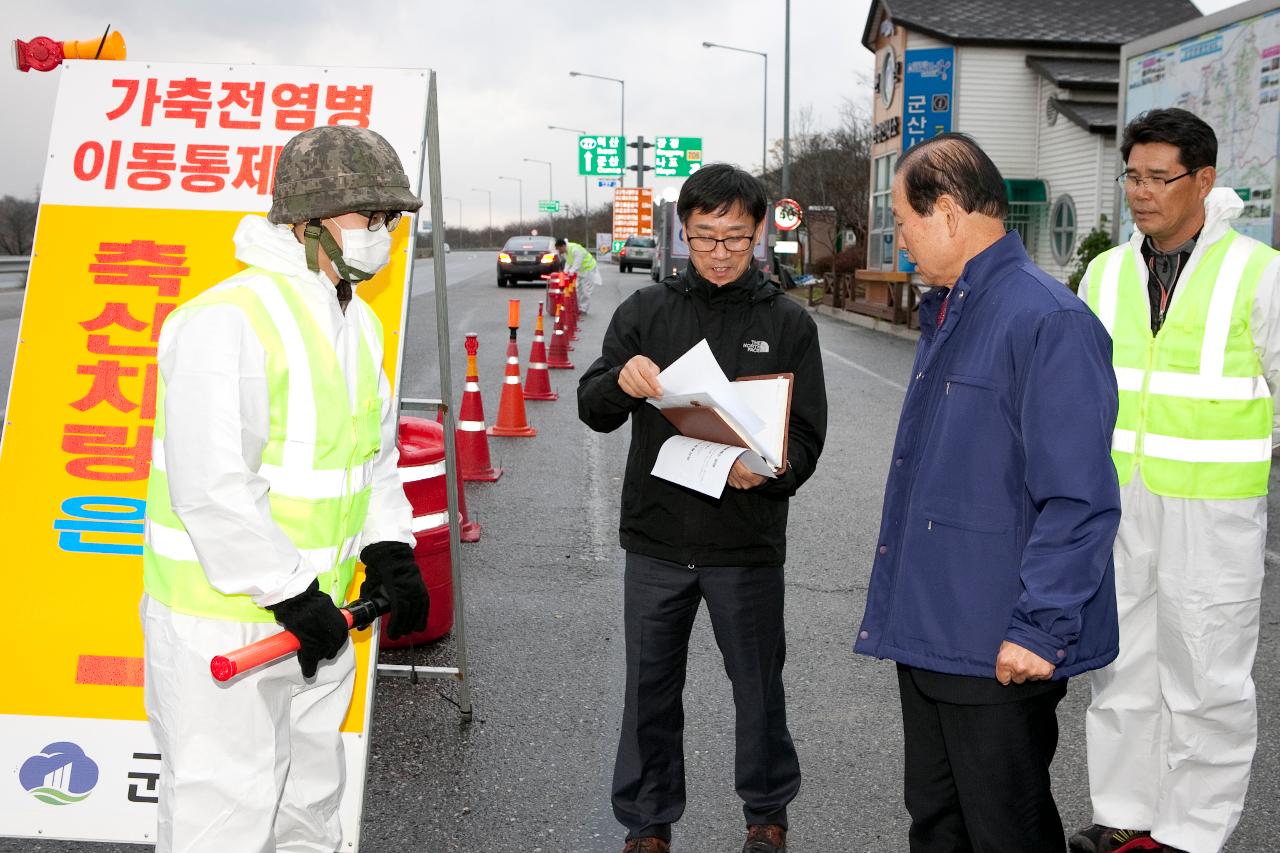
1173,724
588,280
255,764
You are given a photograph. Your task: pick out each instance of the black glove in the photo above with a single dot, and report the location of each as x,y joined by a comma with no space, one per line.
392,573
315,620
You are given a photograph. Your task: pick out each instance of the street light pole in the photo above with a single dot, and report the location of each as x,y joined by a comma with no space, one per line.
622,120
786,111
764,128
520,183
586,224
551,192
489,193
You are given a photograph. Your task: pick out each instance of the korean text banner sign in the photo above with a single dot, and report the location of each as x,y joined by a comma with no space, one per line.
928,81
150,169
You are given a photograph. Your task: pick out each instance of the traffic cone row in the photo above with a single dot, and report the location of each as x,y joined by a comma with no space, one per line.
474,461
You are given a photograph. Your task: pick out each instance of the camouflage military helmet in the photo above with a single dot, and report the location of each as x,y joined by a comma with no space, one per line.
327,171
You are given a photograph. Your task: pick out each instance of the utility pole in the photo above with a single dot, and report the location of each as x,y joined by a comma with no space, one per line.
622,120
764,124
586,222
639,167
520,183
786,111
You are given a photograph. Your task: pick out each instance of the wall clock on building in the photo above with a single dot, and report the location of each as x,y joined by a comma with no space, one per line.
888,75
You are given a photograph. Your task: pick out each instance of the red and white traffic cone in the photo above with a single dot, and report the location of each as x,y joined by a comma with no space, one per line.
559,356
470,436
512,421
555,292
537,381
571,329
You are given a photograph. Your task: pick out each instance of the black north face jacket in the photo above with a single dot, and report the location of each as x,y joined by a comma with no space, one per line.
752,329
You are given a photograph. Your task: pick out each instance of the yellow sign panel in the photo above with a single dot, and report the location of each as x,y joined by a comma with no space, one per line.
78,436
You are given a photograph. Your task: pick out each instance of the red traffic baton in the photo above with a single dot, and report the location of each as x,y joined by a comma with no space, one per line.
359,614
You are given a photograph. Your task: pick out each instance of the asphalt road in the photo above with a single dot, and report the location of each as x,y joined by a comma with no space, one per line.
543,607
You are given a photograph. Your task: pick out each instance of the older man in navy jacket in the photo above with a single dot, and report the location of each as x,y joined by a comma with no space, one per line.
993,581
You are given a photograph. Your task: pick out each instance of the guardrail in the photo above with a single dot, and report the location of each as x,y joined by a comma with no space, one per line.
13,271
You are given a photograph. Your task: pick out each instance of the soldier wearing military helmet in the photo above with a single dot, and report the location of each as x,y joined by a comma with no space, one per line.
273,467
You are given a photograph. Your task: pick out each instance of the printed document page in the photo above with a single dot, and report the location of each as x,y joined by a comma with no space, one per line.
703,465
698,372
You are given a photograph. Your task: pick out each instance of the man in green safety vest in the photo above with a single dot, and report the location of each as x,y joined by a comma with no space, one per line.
578,259
1193,308
273,466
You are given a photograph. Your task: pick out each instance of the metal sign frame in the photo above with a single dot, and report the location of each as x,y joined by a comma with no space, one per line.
430,153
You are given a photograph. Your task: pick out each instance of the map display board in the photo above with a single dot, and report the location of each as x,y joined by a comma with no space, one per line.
1230,77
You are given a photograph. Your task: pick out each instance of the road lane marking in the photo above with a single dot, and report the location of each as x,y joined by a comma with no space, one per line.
868,371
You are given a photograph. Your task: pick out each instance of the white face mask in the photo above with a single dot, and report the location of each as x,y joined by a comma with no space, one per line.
365,250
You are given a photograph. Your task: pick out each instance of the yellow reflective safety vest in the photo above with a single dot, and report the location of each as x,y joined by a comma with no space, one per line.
1195,412
575,253
314,458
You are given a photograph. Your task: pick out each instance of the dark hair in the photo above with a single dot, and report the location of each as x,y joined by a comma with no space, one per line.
1196,142
952,164
560,241
718,189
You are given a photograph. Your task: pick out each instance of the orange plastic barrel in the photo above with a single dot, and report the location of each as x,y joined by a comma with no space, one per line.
422,473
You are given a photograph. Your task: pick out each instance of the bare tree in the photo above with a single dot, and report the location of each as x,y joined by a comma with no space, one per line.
830,167
17,225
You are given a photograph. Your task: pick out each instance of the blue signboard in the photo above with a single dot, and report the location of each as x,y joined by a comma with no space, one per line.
928,82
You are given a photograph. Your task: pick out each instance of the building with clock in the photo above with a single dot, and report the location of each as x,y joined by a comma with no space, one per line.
1035,83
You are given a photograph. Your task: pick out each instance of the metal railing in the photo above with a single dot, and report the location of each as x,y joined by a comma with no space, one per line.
13,270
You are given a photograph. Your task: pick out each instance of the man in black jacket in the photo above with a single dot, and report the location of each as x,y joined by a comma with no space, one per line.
683,546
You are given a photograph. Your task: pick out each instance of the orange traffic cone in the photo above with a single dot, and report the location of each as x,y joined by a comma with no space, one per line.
555,283
537,381
512,420
470,436
571,329
559,357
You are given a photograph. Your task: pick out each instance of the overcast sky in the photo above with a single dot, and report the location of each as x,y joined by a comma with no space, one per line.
503,72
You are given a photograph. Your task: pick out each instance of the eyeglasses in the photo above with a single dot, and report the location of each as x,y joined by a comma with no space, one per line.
1131,182
708,244
379,218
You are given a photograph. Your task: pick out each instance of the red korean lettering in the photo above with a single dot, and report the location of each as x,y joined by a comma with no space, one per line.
106,386
150,98
92,159
106,453
288,95
151,164
242,97
206,164
257,166
115,314
141,262
189,99
163,310
150,383
350,104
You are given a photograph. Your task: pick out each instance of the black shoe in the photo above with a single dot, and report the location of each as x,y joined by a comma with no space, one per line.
1103,839
765,838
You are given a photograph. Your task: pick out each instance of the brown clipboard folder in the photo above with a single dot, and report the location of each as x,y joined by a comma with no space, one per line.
709,423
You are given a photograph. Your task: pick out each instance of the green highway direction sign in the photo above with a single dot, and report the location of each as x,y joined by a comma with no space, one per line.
617,246
676,156
548,205
601,155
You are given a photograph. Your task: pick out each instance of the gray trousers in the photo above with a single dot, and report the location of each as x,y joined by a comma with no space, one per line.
660,602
